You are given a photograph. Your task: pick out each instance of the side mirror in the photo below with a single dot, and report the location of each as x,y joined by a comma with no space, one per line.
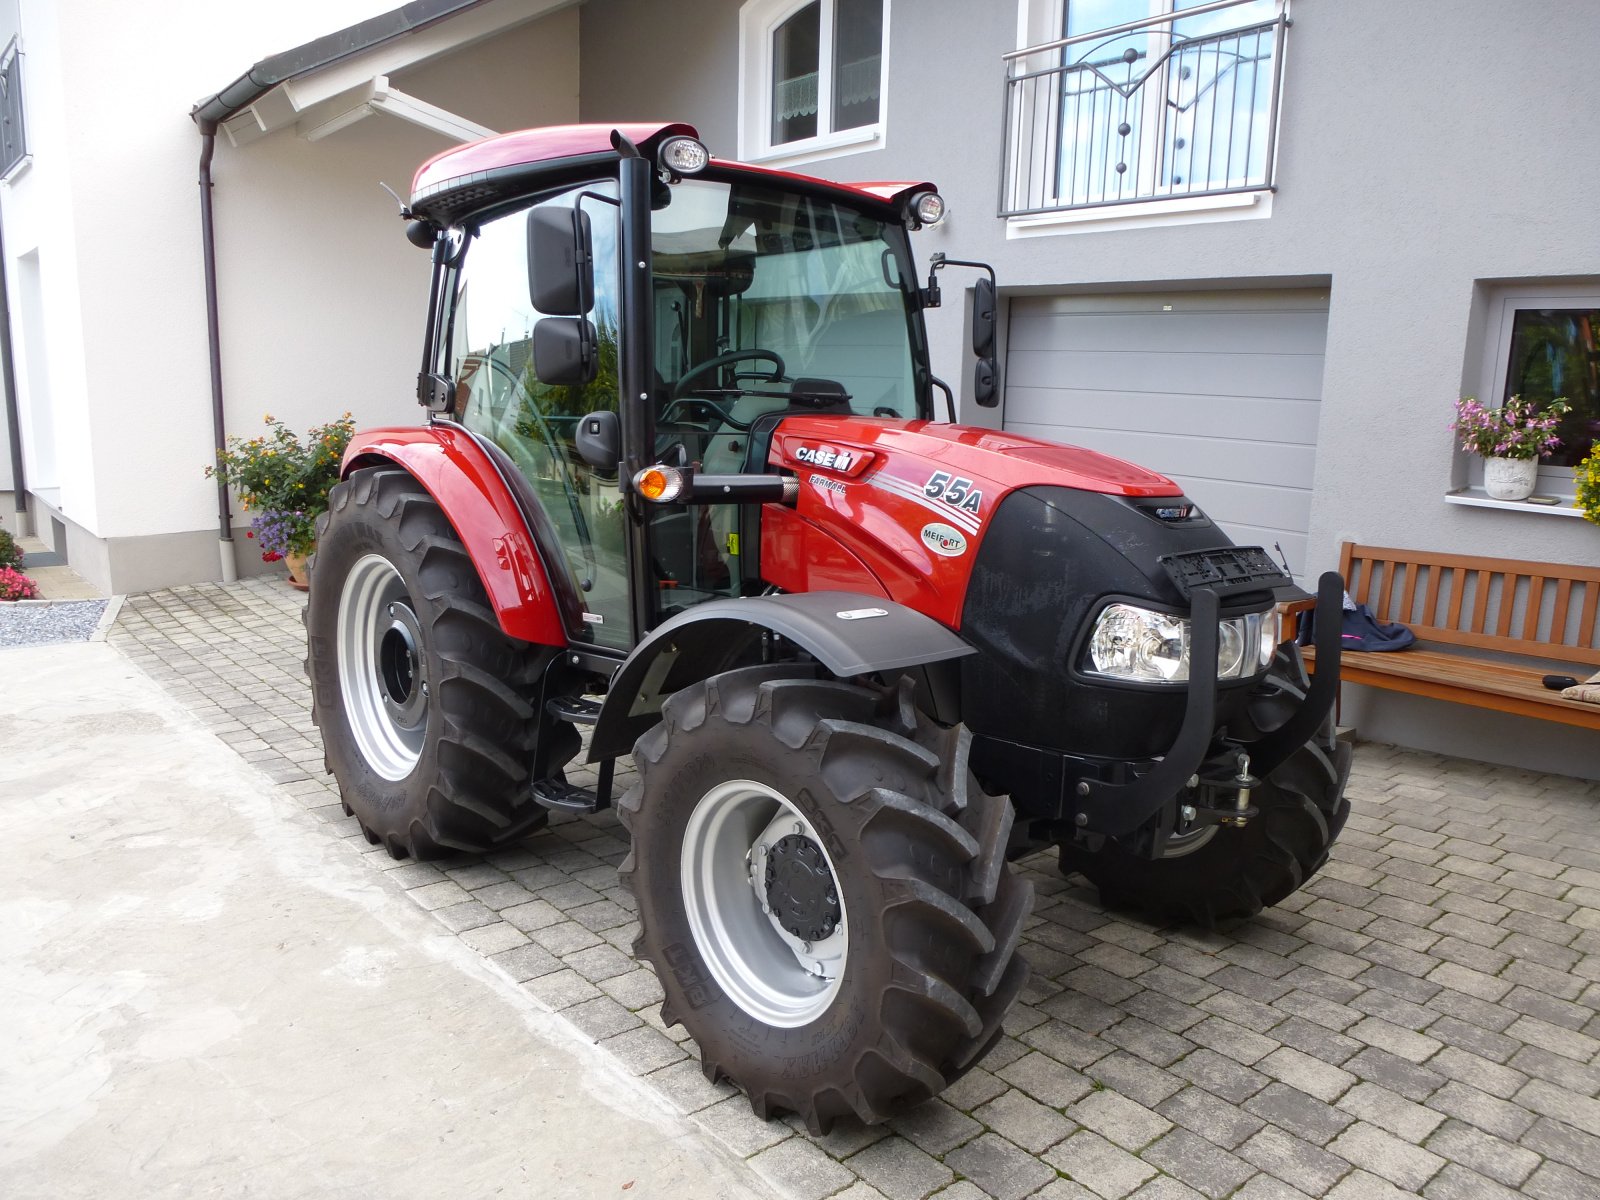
566,351
983,383
599,440
560,261
983,308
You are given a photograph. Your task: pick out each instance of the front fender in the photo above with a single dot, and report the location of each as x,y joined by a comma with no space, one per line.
847,632
523,574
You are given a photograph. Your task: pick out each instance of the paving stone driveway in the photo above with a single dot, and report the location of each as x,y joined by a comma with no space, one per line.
1421,1019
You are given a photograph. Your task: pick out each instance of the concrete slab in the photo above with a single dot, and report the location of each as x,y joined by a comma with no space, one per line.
205,995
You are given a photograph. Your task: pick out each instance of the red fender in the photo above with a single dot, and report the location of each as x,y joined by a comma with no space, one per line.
460,475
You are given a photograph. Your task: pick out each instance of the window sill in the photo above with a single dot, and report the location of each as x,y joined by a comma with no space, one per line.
1230,206
835,145
1475,498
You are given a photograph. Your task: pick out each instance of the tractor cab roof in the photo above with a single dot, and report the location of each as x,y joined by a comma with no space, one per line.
482,174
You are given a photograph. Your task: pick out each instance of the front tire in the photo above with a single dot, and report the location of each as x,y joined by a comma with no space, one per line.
1228,873
424,704
889,955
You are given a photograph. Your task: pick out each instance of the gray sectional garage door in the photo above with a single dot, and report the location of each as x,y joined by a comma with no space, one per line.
1219,391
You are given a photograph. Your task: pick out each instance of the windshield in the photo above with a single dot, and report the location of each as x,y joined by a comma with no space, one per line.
766,299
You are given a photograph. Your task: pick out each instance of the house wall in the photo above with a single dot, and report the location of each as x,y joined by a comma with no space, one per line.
1408,183
321,297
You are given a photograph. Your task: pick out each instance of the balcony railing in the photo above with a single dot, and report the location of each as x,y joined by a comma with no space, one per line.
1142,112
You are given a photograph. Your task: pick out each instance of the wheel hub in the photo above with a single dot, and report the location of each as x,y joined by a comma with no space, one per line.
800,889
399,666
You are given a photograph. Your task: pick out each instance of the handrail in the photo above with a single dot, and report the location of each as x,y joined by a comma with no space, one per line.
1188,116
1130,27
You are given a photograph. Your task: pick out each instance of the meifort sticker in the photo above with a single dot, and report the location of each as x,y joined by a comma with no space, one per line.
944,540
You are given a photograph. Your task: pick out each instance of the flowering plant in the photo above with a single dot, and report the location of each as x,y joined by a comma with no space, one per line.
1587,476
1515,430
285,481
14,585
10,552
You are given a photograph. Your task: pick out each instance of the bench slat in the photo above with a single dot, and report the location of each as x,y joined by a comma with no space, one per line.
1443,676
1409,598
1480,602
1558,615
1430,602
1530,620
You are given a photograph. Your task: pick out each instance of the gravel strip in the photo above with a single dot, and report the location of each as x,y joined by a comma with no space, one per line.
29,624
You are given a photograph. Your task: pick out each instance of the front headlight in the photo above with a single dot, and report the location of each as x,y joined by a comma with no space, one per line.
1145,646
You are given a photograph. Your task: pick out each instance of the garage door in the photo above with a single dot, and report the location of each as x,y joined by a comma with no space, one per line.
1218,391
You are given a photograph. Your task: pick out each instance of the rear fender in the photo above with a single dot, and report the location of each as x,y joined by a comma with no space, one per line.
848,633
506,535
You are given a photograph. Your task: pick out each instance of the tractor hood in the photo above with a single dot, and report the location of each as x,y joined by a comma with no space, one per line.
909,503
911,452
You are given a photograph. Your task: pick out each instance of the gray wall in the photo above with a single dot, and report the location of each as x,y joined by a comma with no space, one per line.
1427,152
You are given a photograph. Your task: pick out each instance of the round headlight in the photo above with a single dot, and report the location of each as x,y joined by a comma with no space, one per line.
684,155
928,208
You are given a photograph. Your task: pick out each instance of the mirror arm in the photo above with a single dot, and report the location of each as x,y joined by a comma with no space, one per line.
938,260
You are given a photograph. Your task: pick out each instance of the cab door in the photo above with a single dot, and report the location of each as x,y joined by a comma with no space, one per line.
500,397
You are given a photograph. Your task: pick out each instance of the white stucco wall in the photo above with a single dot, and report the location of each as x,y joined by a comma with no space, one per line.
321,297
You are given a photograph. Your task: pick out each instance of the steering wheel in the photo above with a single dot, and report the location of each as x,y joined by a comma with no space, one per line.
698,408
726,360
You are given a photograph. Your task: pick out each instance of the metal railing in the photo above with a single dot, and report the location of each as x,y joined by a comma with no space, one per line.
1142,112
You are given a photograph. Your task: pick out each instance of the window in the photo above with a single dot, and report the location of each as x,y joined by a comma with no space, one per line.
1541,343
1184,106
13,145
812,77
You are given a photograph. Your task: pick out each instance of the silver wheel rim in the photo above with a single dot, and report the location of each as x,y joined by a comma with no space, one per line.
381,672
772,975
1181,844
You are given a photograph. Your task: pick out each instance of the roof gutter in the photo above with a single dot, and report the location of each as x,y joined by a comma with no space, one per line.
323,52
19,483
219,421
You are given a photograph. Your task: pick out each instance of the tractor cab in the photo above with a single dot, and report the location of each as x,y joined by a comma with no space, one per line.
761,295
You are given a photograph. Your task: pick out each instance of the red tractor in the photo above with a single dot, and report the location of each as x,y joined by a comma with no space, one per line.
682,481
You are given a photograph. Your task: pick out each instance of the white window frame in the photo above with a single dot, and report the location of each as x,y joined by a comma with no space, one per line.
1041,21
757,21
1499,316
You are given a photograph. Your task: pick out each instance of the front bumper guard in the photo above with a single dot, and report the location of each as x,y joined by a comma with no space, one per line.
1117,809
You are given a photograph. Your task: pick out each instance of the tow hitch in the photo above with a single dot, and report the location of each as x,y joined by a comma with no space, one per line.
1214,783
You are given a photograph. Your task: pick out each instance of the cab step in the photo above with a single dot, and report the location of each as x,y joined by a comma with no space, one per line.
560,796
575,710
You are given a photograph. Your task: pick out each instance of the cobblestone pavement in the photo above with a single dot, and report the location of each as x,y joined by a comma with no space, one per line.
1421,1019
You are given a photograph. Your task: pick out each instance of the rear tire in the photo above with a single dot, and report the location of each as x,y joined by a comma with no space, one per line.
911,847
426,707
1238,872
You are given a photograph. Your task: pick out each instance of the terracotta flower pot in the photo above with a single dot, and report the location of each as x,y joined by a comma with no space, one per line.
299,571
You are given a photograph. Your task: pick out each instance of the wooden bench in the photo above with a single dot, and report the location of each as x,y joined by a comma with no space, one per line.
1505,624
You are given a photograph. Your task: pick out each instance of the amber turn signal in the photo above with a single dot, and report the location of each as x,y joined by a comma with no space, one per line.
660,484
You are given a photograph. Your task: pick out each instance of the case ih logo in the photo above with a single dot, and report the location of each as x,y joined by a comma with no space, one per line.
826,456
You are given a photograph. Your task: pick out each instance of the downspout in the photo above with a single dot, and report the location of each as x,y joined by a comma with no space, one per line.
8,376
219,425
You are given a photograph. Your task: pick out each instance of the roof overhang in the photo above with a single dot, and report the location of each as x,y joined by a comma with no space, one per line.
331,83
